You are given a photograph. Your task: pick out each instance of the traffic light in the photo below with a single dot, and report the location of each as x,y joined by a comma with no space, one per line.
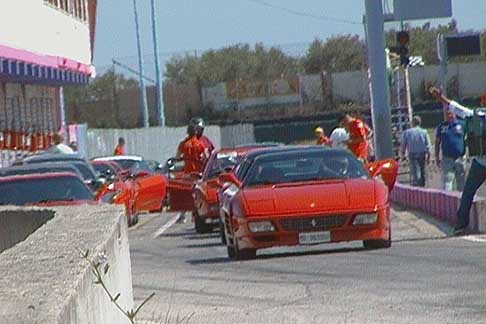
403,39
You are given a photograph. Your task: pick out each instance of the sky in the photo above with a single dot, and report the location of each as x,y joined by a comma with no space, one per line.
189,25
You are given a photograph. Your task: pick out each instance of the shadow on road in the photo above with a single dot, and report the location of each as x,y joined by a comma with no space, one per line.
202,245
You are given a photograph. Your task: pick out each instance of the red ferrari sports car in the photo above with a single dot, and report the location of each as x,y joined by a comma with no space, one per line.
305,196
147,188
205,191
65,189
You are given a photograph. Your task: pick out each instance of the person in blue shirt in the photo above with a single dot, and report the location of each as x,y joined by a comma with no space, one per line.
450,139
416,141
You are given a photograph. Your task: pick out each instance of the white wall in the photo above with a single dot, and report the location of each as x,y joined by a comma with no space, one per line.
34,26
159,143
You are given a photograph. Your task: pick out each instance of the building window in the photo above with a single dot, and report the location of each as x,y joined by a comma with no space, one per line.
75,8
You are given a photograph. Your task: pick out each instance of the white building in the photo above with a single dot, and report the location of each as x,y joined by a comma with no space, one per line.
44,45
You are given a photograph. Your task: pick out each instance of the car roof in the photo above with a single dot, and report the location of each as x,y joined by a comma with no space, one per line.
40,166
37,176
261,144
53,157
119,157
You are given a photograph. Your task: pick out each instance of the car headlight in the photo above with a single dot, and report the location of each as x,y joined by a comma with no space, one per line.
260,227
365,219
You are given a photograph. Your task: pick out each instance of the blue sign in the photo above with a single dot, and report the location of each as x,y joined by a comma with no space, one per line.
420,9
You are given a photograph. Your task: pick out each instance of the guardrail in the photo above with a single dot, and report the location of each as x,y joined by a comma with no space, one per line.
440,204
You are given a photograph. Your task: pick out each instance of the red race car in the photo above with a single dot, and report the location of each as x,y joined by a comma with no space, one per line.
149,188
205,191
305,196
60,189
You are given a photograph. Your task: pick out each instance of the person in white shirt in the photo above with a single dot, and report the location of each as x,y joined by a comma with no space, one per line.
59,147
339,137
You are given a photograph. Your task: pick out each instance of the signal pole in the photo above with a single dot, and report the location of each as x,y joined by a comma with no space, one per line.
143,93
380,111
158,83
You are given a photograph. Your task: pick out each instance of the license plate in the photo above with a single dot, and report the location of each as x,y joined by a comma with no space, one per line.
314,238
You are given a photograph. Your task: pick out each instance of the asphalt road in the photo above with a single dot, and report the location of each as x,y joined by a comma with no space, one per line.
425,277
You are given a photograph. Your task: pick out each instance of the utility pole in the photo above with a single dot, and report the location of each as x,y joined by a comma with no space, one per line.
380,111
158,84
143,93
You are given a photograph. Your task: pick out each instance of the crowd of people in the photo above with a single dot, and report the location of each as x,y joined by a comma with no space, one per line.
352,133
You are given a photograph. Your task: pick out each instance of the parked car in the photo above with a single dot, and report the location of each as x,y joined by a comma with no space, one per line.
64,189
149,188
89,174
42,168
305,196
205,191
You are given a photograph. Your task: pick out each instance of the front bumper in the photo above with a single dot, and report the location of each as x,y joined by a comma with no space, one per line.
283,236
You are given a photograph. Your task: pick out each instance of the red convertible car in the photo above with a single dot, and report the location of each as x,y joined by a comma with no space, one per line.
305,196
136,181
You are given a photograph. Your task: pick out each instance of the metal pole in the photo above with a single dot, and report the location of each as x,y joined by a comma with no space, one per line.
442,55
158,83
143,93
380,111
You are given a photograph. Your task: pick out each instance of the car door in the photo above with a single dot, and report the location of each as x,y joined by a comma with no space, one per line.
151,189
386,169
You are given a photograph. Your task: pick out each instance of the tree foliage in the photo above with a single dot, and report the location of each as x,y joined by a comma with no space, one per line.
337,54
101,88
232,63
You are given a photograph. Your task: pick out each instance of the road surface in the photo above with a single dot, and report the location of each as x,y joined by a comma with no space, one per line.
425,277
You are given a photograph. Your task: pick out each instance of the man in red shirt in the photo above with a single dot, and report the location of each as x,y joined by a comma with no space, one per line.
321,139
192,151
120,148
198,123
358,136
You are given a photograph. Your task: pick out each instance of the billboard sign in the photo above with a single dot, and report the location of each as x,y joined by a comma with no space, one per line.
459,45
420,9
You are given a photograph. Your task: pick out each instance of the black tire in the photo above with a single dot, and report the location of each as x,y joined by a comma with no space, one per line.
201,226
222,233
246,254
378,244
231,252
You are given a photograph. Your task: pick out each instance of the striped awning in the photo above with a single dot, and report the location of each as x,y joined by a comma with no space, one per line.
16,71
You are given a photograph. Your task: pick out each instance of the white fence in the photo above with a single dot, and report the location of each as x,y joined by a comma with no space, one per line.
160,143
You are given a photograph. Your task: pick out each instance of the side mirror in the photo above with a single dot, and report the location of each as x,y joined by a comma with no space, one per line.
387,169
229,177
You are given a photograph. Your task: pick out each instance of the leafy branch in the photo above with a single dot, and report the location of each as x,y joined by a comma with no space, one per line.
99,271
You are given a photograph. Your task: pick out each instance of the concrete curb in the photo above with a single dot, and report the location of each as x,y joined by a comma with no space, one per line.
440,204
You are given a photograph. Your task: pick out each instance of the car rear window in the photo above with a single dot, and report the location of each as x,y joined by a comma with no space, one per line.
313,166
27,191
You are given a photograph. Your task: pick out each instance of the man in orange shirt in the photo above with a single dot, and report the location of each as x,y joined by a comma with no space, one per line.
358,137
192,151
321,139
120,148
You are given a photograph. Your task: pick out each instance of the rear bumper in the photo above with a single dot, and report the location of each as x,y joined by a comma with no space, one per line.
280,237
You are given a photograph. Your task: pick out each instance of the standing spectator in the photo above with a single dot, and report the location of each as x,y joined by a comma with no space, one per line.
358,137
416,141
321,138
339,137
120,148
450,139
198,123
59,147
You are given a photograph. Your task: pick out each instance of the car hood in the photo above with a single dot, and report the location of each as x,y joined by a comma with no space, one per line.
315,197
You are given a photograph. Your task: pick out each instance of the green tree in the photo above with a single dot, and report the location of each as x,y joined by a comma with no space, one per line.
337,54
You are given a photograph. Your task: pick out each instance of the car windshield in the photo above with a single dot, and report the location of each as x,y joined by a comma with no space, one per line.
27,191
221,162
85,171
313,166
14,171
127,164
102,168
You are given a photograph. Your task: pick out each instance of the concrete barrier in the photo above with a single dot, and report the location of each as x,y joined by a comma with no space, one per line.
441,204
17,225
43,280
